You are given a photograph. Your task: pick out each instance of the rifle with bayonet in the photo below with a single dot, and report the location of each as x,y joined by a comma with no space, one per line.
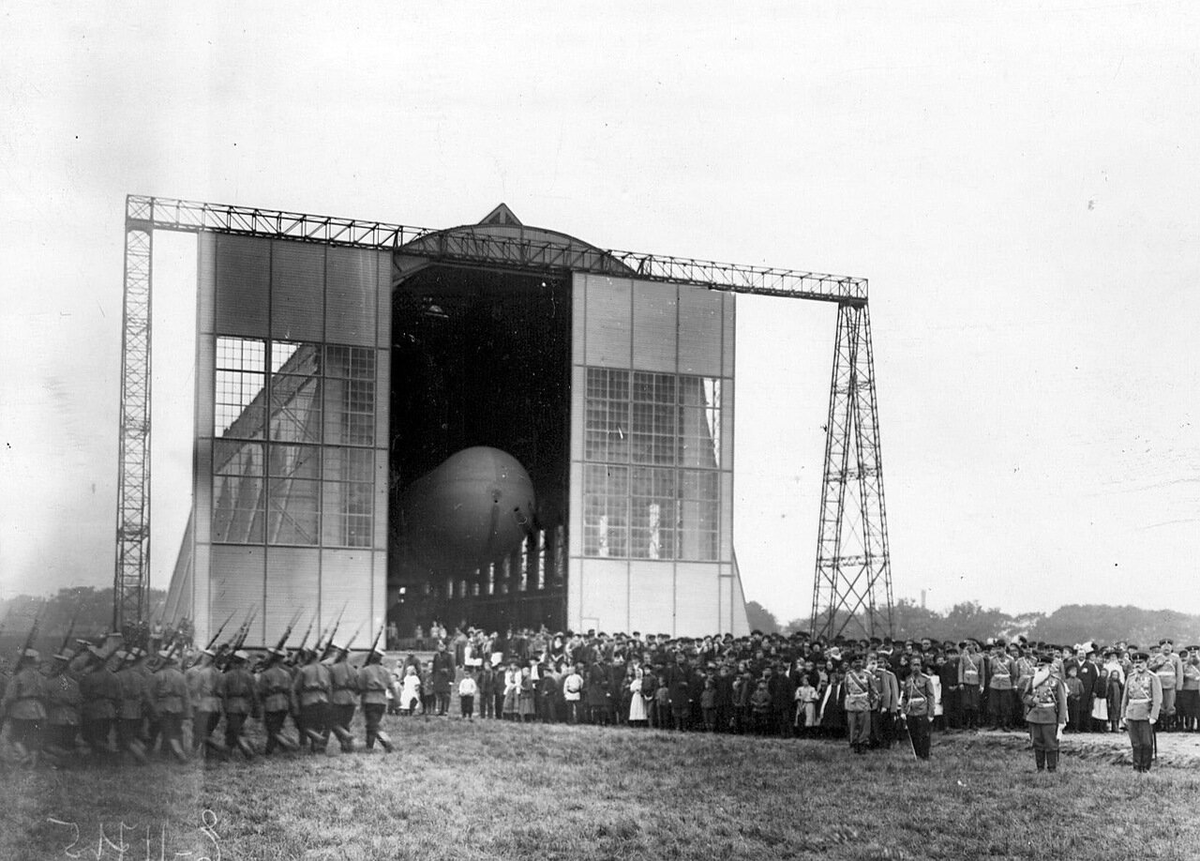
217,635
62,650
287,632
225,655
328,647
32,638
345,650
374,644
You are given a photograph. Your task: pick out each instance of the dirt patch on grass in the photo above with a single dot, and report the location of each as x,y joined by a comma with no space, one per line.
1175,749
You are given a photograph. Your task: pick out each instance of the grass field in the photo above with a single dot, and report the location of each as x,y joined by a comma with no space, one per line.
500,790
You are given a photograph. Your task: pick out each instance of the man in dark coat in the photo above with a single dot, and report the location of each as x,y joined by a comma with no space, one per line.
443,676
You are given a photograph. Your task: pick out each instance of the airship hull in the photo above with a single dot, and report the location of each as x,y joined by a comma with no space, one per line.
477,506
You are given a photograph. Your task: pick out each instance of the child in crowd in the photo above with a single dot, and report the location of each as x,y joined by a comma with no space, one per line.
760,707
1074,697
662,705
806,707
741,701
487,691
525,696
410,691
708,704
467,689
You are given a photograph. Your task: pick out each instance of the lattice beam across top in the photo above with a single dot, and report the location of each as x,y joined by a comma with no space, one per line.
516,252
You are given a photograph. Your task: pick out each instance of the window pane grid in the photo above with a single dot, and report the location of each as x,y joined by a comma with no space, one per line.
300,486
669,508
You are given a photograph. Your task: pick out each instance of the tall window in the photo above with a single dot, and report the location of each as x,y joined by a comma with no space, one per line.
652,481
293,462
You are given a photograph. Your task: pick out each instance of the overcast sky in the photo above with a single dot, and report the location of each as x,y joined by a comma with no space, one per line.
1019,183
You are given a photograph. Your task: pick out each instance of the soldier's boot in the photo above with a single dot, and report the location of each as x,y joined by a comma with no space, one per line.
137,751
284,742
21,751
385,740
1147,757
1052,760
211,744
55,752
246,748
315,737
1039,757
345,739
177,750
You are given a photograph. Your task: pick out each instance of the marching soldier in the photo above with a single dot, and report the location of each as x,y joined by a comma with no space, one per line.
63,702
239,695
343,679
916,706
312,689
1045,699
135,696
203,679
373,681
101,692
275,692
24,708
1140,706
172,703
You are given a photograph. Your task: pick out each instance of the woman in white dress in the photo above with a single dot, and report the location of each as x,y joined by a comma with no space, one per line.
637,703
410,691
939,709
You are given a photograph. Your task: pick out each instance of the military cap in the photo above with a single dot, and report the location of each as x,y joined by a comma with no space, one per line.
240,655
120,654
1045,658
32,654
1140,656
165,654
64,656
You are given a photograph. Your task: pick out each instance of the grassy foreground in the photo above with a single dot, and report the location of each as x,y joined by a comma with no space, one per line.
500,790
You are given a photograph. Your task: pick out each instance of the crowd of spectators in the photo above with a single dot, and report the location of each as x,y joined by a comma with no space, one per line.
788,686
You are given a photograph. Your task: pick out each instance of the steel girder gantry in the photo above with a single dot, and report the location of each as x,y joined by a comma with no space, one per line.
852,550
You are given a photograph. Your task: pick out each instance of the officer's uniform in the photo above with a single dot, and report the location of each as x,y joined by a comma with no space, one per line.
1045,714
1140,705
373,682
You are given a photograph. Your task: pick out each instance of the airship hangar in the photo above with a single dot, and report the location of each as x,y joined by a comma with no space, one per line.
492,423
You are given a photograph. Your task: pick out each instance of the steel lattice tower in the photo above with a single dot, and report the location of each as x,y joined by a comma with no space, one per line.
852,544
133,486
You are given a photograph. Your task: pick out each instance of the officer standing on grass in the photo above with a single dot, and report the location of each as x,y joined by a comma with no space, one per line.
916,705
862,692
1140,705
1045,702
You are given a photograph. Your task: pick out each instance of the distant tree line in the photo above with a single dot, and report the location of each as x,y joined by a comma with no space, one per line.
1069,624
54,614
